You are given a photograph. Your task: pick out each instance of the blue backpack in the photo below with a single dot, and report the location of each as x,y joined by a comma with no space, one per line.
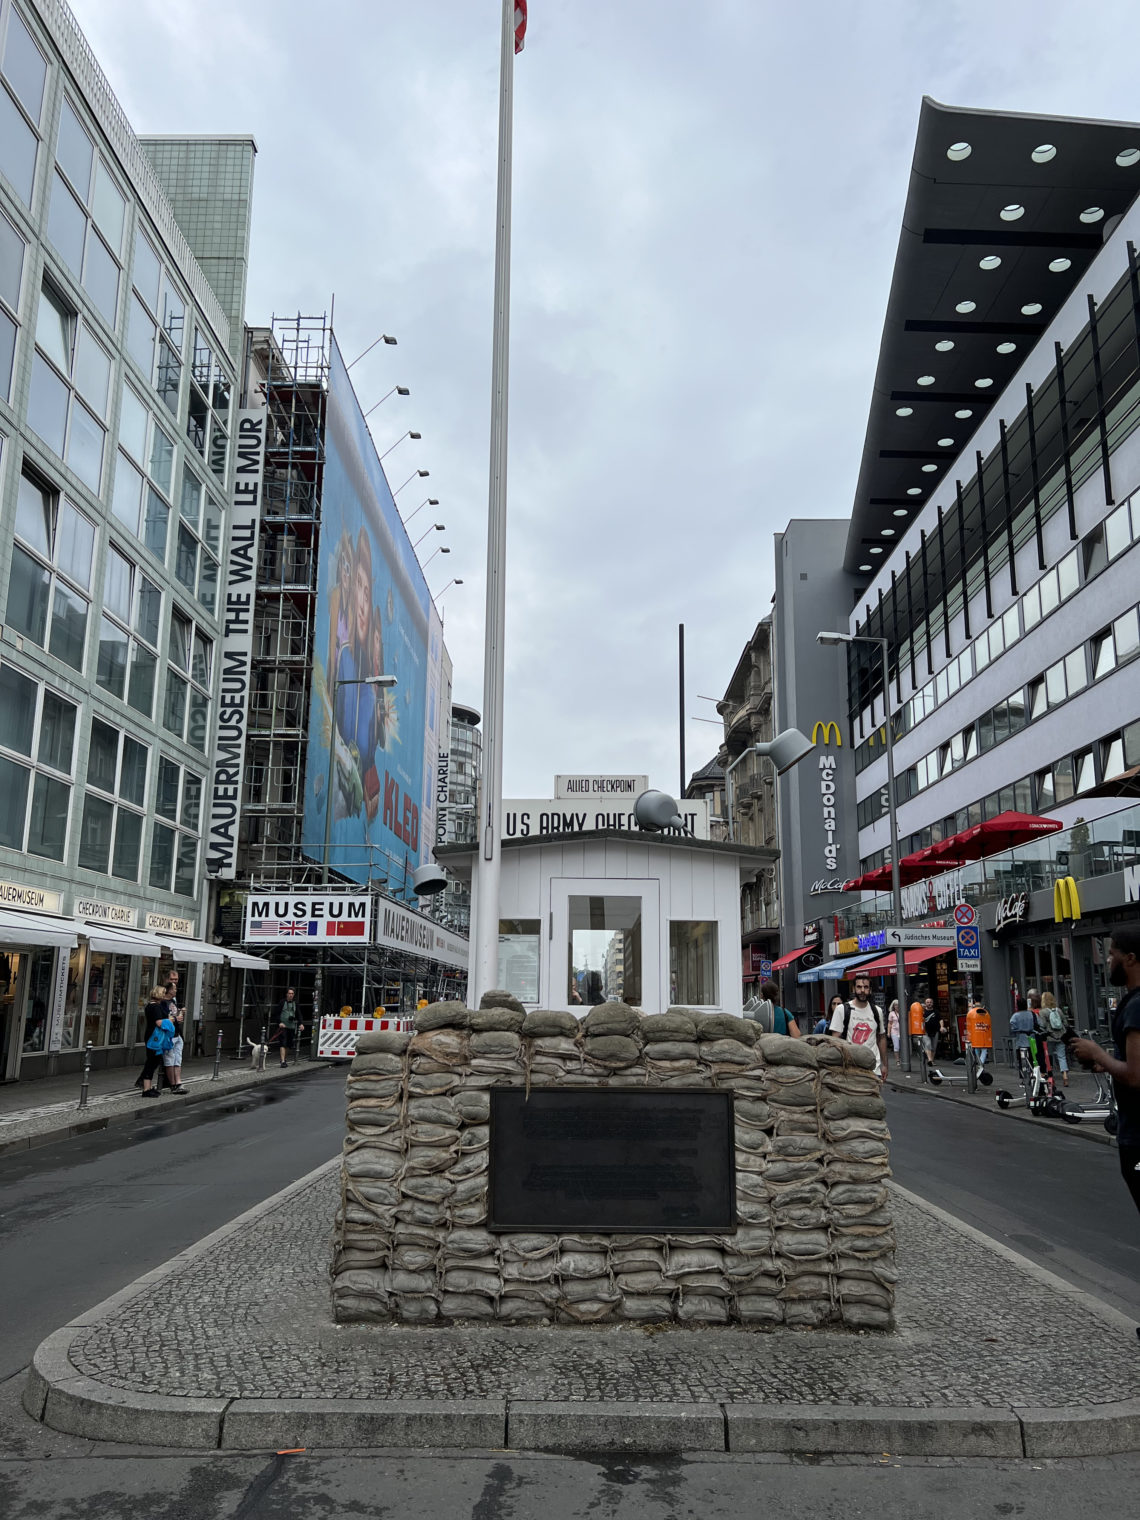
161,1037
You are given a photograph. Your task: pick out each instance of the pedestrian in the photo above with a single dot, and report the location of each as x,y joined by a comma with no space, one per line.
159,1038
862,1023
822,1026
893,1028
287,1026
172,1057
1022,1025
930,1027
1123,1066
770,1016
1054,1026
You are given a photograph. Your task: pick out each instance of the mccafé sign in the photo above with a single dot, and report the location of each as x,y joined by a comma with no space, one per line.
831,735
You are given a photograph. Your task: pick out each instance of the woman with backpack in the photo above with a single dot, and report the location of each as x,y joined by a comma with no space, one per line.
1053,1023
772,1018
159,1038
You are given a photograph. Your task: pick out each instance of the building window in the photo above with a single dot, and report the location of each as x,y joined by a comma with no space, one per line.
23,71
157,325
693,964
186,708
71,379
12,250
37,750
50,583
113,803
87,215
208,417
129,633
174,843
199,541
144,475
604,950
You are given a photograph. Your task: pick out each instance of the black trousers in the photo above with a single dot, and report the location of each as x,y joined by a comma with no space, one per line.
1129,1161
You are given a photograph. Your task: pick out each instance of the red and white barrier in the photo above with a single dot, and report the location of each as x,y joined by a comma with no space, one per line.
338,1035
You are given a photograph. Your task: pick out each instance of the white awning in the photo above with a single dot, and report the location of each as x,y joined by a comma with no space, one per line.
240,961
36,929
192,949
115,941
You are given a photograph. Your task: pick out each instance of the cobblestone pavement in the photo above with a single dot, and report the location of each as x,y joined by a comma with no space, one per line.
251,1318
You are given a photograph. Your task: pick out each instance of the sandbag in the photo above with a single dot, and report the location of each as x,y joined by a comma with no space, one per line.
445,1047
544,1022
647,1308
702,1308
726,1026
784,1050
499,997
612,1049
611,1018
495,1042
466,1306
387,1062
673,1050
752,1111
846,1107
486,1019
674,1025
451,1015
385,1041
727,1052
439,1110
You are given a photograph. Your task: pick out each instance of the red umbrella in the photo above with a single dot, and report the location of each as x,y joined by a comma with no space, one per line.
1005,832
912,868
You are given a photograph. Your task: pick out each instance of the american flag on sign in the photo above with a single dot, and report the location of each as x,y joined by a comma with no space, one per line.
263,929
520,24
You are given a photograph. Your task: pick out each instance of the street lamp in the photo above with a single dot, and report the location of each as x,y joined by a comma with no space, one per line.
784,751
428,501
435,528
399,441
337,683
411,477
455,581
383,338
397,390
896,884
443,549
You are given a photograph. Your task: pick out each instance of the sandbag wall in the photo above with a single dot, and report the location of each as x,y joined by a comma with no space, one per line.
814,1244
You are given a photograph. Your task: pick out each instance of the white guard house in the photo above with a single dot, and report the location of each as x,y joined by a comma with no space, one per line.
648,919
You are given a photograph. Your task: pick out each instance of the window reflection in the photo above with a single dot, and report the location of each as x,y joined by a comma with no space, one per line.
604,950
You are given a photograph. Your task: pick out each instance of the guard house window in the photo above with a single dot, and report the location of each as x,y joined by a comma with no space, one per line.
519,942
113,803
693,964
87,215
186,709
144,474
199,540
50,583
157,325
37,753
128,633
208,416
174,843
71,378
12,250
604,950
23,75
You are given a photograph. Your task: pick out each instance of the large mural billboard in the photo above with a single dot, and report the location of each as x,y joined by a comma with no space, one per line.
373,619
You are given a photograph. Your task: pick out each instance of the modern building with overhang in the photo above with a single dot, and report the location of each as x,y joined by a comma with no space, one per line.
993,545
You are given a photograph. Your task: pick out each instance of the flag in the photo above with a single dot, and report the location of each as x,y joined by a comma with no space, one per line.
347,928
520,24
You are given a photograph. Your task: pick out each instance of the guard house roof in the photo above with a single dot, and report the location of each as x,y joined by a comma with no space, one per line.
460,857
1003,216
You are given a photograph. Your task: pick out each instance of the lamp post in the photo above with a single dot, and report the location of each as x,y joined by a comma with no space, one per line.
397,390
435,528
784,751
421,473
443,549
896,883
383,338
337,683
428,501
455,581
399,441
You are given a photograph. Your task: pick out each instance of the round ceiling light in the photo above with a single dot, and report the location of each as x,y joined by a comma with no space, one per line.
1092,214
944,345
991,261
887,533
1012,213
904,411
1031,308
956,152
984,383
929,469
966,306
900,512
864,567
1007,348
914,491
1043,153
946,443
965,412
1127,157
875,549
1058,266
926,379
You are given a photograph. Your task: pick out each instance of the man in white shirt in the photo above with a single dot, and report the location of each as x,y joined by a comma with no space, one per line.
862,1022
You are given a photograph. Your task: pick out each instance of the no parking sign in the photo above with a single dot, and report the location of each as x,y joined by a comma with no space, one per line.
969,948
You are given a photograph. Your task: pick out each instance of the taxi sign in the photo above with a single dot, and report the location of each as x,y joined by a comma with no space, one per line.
969,948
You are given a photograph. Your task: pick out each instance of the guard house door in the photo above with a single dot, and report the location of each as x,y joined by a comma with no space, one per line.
604,943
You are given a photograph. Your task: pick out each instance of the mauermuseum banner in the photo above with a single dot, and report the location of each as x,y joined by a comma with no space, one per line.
372,619
238,591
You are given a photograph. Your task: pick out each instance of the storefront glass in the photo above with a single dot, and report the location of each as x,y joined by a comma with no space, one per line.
37,1000
73,1005
146,982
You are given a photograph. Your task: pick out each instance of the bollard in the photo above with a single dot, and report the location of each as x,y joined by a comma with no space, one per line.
218,1059
971,1069
264,1044
86,1076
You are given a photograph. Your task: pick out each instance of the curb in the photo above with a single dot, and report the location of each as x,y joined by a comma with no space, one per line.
1093,1131
140,1108
58,1395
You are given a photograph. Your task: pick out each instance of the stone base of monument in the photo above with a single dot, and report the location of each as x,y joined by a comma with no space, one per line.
677,1168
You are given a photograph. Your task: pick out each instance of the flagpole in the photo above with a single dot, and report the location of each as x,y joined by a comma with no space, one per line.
485,939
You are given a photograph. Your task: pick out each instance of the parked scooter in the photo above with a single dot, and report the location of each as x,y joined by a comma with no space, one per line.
1103,1105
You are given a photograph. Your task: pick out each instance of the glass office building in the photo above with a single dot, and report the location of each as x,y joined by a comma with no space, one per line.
117,393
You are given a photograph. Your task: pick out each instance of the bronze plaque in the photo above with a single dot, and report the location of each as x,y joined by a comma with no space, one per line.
621,1159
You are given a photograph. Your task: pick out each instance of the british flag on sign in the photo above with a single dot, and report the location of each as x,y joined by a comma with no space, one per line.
520,24
296,926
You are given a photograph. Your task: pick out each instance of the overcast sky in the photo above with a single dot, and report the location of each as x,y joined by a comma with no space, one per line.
707,201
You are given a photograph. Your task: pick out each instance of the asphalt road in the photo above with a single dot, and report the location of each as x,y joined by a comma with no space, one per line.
1037,1187
83,1218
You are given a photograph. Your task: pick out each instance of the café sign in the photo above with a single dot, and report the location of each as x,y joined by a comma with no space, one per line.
1011,910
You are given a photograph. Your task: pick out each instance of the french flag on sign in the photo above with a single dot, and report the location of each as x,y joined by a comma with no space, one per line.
520,24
